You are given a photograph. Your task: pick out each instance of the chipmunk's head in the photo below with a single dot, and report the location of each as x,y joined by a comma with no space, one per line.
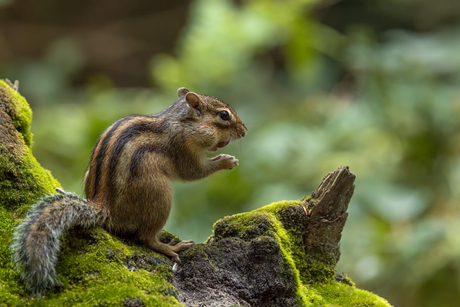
217,116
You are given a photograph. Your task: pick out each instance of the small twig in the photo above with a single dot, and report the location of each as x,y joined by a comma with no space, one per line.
14,86
174,267
305,209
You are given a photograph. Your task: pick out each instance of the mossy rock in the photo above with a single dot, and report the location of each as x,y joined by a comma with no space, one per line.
260,258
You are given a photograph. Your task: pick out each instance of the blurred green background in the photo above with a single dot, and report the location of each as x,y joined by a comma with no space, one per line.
369,84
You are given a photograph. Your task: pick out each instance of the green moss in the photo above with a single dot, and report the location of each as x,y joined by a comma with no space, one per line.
19,111
22,180
10,289
95,270
340,295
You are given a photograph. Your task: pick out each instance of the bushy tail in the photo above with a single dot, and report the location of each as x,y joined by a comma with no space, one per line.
36,240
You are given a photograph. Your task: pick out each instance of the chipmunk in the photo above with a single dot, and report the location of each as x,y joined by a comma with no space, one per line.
128,182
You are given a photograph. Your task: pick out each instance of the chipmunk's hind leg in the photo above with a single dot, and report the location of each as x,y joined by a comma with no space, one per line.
183,245
165,248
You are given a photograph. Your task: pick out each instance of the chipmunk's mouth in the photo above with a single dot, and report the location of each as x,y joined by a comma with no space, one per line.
219,145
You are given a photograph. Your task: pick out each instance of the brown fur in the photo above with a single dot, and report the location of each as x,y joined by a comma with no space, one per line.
136,158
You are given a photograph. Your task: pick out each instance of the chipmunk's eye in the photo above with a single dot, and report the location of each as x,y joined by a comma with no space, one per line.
224,115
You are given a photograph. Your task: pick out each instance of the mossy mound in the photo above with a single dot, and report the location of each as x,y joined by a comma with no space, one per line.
22,179
98,269
259,259
22,182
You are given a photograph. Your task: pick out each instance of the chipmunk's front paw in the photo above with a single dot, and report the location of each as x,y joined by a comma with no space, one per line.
226,161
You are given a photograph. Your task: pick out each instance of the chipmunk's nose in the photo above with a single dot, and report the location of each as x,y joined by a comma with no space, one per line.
245,131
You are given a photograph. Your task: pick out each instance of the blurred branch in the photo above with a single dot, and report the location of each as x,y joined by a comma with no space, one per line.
14,85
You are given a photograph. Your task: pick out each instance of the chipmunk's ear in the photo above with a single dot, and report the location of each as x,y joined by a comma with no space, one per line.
182,91
193,100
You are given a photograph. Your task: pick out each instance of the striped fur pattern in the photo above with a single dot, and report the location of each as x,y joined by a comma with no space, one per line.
36,240
128,181
135,159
